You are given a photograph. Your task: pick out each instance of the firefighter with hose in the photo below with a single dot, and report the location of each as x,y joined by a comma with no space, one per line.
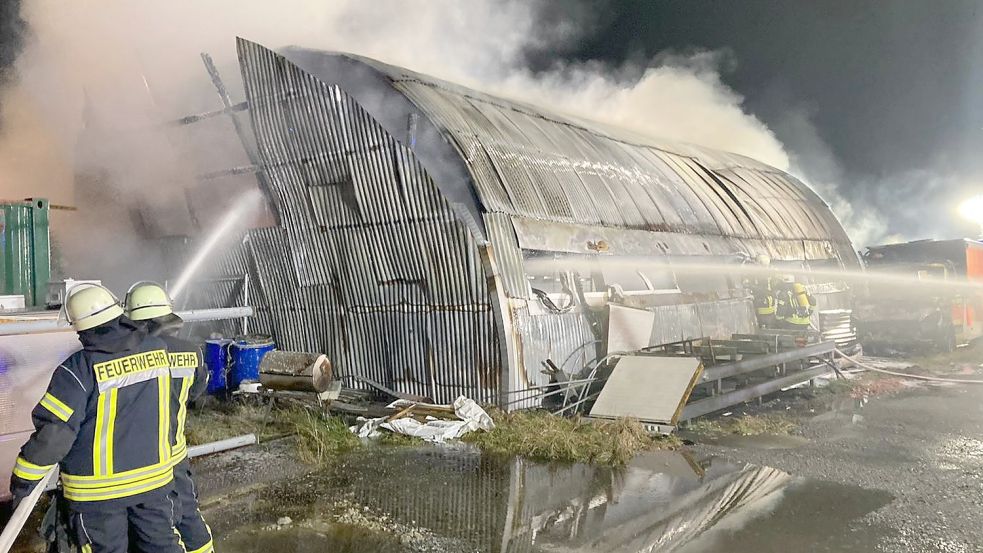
105,419
795,305
148,304
762,293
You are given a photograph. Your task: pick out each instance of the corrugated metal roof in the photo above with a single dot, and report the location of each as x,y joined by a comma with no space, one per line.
526,161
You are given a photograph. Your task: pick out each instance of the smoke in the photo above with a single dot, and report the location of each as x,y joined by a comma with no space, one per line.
12,30
675,96
903,204
91,87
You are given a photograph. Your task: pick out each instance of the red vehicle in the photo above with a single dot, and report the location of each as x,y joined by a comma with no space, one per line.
922,294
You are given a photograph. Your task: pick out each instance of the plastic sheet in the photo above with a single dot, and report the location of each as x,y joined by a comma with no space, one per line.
471,417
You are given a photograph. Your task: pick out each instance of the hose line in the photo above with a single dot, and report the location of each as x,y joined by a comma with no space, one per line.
906,375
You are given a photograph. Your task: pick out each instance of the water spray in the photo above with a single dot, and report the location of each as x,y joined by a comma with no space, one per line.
680,265
242,206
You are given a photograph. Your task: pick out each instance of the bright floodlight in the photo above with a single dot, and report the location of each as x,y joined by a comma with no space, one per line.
972,209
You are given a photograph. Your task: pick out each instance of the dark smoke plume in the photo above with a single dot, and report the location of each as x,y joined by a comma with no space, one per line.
13,30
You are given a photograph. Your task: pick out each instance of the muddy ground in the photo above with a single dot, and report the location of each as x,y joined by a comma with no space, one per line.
899,471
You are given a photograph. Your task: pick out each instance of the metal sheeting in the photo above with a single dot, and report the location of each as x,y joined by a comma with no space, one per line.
525,161
673,323
555,170
371,265
507,255
565,338
837,326
717,319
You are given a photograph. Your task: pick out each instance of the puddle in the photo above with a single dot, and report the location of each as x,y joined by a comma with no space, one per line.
762,441
457,499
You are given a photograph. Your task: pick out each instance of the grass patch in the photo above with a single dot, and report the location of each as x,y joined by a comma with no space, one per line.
745,425
547,437
233,419
534,434
320,438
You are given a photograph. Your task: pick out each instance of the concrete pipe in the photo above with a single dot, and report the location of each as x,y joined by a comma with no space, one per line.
295,371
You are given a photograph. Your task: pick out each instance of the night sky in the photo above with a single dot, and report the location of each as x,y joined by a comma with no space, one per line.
891,87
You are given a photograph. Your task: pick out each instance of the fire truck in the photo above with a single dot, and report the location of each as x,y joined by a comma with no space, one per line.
921,295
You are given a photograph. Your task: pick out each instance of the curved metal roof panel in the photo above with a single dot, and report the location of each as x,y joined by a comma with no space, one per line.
490,154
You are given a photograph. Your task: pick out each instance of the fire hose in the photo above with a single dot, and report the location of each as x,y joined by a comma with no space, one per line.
906,375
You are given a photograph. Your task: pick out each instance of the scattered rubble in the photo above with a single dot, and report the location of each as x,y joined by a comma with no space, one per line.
413,537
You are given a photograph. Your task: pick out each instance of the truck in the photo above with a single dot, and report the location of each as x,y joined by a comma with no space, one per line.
925,295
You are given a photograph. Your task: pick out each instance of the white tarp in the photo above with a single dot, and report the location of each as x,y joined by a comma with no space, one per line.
470,416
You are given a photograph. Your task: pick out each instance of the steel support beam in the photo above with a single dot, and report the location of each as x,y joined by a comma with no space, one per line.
716,403
756,363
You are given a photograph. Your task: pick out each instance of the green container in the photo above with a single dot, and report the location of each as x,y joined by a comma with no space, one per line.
26,263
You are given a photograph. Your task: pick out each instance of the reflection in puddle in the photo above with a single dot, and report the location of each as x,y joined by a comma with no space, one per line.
450,499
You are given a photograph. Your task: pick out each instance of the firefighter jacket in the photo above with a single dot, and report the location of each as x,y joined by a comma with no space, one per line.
105,418
189,378
763,295
796,304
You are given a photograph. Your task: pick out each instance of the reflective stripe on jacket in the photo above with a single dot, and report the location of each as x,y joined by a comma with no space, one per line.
106,419
188,379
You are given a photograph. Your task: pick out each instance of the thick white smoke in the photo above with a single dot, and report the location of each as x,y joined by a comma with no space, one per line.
118,68
679,97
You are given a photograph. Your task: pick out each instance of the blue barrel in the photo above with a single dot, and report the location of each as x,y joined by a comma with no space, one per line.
246,353
216,359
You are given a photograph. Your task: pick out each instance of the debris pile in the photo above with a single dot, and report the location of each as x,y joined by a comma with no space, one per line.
427,421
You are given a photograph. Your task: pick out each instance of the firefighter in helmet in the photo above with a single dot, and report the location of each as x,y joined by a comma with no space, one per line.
105,419
148,304
795,305
762,292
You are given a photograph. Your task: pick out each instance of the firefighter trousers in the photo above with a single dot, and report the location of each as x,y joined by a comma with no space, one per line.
146,527
197,536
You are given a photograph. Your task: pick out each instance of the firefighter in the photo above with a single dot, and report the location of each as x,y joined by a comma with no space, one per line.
795,305
762,294
105,420
148,304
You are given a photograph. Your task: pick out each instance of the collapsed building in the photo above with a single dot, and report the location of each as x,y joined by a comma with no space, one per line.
444,241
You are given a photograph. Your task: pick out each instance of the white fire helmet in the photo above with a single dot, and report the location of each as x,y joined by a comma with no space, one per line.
90,305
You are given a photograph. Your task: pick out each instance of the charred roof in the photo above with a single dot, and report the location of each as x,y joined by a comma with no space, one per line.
491,154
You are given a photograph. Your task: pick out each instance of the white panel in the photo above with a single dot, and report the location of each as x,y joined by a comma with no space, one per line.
648,388
26,364
629,329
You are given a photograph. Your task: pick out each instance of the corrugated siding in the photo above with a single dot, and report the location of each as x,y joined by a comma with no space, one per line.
370,265
507,254
718,319
564,338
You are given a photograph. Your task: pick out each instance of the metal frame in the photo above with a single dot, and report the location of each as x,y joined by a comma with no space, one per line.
719,402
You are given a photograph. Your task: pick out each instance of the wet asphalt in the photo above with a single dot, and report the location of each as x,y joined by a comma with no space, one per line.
923,447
